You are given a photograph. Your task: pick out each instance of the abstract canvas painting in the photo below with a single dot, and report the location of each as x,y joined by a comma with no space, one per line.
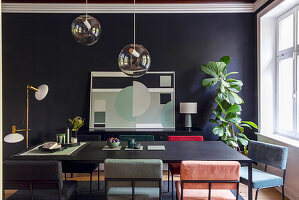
119,101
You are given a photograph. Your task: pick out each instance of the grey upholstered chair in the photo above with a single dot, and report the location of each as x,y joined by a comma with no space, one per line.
40,180
127,179
267,154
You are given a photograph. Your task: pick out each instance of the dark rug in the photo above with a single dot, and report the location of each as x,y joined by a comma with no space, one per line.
83,191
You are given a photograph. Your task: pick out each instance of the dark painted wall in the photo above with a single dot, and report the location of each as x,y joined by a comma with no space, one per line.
39,48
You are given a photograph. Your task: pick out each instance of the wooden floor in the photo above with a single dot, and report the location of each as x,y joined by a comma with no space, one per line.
265,194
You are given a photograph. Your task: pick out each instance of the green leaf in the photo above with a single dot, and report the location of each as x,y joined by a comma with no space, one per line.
235,88
233,144
227,132
240,128
218,130
225,84
238,99
234,82
214,121
243,141
215,112
251,124
230,97
210,68
209,82
221,118
232,117
220,67
225,59
225,104
221,96
246,125
230,74
243,136
234,108
222,89
234,138
219,104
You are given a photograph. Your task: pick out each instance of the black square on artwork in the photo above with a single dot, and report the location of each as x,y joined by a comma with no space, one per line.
165,98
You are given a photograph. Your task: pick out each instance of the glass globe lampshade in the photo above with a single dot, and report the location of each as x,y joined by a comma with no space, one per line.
86,31
134,62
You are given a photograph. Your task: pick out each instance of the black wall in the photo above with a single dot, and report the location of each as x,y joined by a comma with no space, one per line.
39,48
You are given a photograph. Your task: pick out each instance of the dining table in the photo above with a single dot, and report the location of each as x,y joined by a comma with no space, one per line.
172,152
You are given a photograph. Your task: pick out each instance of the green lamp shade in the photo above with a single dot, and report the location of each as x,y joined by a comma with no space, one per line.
13,138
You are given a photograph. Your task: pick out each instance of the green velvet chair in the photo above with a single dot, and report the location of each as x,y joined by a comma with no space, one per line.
137,137
127,179
267,154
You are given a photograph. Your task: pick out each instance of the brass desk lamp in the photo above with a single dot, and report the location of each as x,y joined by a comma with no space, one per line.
40,93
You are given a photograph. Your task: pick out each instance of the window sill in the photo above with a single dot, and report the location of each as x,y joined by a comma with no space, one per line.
281,139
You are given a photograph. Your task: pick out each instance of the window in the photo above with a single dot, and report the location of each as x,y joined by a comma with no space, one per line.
287,87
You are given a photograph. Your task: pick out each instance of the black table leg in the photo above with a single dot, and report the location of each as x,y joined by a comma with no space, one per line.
250,181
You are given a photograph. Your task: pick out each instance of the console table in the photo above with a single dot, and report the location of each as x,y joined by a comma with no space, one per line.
159,134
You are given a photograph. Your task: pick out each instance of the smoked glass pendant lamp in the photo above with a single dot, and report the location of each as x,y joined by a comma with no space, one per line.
86,29
134,59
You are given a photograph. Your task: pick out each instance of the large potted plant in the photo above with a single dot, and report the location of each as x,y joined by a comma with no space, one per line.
229,125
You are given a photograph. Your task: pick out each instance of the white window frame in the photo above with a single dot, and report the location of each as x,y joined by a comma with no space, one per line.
291,52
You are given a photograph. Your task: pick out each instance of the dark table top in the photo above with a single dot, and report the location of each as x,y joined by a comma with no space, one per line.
174,152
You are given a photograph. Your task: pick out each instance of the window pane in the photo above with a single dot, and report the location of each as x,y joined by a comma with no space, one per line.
297,28
285,91
286,29
297,94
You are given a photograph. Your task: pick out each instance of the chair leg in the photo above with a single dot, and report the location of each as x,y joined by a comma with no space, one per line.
282,192
90,186
256,194
31,191
172,186
99,178
65,176
168,179
71,175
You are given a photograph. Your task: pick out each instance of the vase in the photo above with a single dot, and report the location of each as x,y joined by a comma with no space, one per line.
74,138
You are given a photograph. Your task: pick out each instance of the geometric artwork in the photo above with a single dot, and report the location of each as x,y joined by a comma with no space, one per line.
119,101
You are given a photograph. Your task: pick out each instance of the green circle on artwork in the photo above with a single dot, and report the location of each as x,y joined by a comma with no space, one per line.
124,104
167,115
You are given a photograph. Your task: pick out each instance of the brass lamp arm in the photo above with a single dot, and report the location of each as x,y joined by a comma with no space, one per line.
14,129
29,87
23,130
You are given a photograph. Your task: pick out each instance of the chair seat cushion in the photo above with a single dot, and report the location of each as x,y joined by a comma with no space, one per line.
175,168
125,193
260,178
202,194
68,189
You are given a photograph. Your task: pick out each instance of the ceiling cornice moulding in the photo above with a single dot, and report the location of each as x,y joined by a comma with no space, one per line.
258,4
127,8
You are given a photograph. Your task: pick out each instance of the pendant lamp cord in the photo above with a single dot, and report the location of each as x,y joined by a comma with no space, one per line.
86,9
134,22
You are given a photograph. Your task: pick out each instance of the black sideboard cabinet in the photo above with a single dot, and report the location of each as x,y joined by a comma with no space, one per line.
159,134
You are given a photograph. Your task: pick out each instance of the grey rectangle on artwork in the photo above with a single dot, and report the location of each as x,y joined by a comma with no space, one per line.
99,117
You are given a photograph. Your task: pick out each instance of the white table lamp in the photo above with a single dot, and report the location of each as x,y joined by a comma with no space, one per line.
188,108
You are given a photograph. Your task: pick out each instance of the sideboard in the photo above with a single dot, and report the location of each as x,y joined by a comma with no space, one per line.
159,134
